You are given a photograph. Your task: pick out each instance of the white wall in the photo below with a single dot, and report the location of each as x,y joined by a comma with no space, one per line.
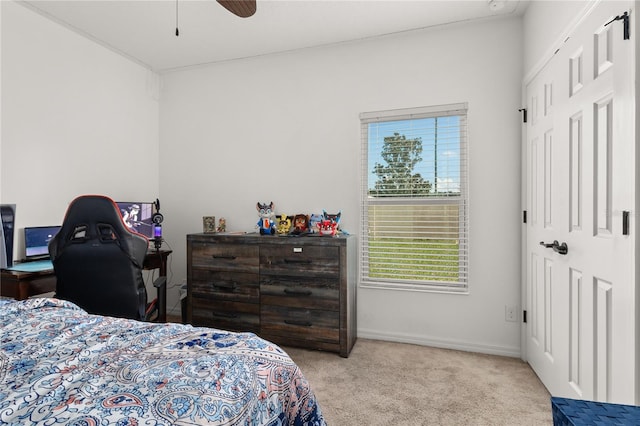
76,118
286,128
280,127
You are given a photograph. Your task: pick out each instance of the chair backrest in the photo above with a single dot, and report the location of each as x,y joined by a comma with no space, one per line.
98,260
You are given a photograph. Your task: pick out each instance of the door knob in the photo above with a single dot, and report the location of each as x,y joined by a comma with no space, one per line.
557,247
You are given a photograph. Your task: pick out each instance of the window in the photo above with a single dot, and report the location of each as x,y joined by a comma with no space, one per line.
414,198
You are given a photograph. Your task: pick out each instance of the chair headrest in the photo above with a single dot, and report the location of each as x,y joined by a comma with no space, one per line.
96,218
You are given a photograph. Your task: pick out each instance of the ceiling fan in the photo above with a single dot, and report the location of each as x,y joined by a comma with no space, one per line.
241,8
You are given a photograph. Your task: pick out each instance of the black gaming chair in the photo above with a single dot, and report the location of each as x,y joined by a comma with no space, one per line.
98,260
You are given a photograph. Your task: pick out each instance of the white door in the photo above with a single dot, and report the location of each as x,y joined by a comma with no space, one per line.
580,331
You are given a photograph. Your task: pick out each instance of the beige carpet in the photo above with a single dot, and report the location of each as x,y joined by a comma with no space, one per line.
384,383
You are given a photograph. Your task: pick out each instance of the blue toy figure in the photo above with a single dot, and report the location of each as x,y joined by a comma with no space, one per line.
314,222
266,224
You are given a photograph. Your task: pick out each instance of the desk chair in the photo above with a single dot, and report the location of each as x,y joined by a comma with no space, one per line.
98,260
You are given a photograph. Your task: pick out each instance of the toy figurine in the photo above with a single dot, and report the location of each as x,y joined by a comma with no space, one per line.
329,223
284,224
314,222
266,224
222,225
332,217
328,227
300,223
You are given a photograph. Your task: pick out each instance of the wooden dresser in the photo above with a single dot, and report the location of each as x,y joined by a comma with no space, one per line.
293,291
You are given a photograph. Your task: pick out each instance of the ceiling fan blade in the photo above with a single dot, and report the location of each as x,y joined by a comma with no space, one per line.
241,8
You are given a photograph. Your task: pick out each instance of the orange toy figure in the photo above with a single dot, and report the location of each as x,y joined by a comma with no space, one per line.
300,223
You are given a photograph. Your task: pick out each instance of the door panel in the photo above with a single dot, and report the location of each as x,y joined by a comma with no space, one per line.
580,177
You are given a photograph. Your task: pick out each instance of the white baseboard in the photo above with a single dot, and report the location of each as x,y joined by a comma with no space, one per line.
510,351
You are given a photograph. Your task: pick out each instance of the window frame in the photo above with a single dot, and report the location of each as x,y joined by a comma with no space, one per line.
461,286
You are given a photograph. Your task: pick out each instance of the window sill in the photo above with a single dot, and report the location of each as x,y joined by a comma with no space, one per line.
419,288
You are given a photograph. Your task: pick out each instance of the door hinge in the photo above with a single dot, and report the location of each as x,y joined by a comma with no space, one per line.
524,114
625,222
524,216
625,24
524,316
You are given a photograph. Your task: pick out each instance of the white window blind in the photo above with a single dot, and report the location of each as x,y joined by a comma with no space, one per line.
414,198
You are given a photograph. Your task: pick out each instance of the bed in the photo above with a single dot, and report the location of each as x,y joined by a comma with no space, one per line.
62,366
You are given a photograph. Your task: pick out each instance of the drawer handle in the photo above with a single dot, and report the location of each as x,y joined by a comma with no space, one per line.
221,315
297,292
301,323
222,256
225,286
303,261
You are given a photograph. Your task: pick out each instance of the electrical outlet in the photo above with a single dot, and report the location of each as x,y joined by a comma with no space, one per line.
510,313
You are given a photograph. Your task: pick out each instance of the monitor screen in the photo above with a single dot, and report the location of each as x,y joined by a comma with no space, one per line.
36,241
137,216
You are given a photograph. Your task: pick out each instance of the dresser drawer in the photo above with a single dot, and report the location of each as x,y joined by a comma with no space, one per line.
235,316
299,260
300,292
292,291
223,285
225,257
299,323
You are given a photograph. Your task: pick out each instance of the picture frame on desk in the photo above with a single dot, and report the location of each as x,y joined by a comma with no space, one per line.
209,224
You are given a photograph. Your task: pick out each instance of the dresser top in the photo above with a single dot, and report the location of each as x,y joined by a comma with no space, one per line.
256,238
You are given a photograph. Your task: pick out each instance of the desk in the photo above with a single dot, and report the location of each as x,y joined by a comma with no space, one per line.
21,285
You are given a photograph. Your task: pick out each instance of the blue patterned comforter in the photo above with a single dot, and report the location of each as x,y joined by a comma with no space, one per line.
62,366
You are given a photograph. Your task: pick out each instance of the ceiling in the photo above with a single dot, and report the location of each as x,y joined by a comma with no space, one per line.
144,30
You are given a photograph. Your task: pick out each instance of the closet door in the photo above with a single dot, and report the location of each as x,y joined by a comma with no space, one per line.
580,197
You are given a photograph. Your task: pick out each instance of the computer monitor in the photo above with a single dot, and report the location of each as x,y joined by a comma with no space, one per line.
36,241
137,215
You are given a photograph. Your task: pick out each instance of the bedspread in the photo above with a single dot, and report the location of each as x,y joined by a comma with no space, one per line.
62,366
